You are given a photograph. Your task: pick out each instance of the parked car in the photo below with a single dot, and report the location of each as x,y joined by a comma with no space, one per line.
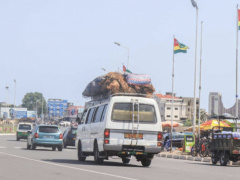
45,136
23,130
177,139
122,125
69,136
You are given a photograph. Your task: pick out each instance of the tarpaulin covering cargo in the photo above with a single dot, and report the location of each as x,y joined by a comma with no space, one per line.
138,79
115,83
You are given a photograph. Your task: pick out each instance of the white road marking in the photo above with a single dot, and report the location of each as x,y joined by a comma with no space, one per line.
80,169
17,147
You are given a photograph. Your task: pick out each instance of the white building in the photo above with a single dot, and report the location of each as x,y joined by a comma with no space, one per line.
165,107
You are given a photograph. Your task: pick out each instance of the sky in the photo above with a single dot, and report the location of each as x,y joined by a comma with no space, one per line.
56,47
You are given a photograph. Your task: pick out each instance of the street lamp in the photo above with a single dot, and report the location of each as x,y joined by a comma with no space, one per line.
15,89
125,48
42,109
6,106
36,109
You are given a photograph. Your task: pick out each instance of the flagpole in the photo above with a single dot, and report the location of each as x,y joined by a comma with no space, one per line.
172,95
200,84
195,76
237,68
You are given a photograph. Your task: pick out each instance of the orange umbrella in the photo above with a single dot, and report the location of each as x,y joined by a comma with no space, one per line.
168,124
212,123
190,129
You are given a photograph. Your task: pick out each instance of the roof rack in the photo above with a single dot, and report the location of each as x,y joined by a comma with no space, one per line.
105,97
131,94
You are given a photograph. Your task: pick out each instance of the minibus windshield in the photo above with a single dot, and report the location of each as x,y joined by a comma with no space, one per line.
124,112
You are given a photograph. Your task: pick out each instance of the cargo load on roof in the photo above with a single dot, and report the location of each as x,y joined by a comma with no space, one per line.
114,82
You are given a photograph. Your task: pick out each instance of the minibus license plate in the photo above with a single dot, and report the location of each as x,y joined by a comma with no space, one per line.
134,136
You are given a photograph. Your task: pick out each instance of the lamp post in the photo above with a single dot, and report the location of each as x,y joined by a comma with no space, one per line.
127,50
6,107
200,84
195,72
36,109
15,90
42,109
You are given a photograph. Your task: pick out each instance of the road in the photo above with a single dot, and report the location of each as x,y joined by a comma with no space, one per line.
18,163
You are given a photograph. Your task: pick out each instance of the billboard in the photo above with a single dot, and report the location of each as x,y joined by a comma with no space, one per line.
31,113
21,114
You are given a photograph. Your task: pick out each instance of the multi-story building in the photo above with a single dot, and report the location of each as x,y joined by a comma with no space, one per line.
215,99
56,108
165,107
189,101
216,107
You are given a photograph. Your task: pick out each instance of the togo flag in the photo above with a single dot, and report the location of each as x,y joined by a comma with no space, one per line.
179,47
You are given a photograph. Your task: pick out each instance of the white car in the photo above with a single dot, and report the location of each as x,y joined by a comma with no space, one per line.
110,127
64,123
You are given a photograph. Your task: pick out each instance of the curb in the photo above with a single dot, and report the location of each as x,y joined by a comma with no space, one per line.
6,134
206,159
190,158
175,157
198,159
163,155
183,157
235,163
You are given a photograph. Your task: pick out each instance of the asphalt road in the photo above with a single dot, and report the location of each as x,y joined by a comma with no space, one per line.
18,163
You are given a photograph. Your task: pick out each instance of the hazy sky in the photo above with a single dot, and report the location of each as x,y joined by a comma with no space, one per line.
57,47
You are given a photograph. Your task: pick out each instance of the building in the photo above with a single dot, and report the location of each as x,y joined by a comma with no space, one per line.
189,111
56,108
165,107
216,107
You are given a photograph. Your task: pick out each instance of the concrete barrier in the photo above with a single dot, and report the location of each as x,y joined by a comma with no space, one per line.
175,157
190,158
206,159
183,157
198,159
163,155
236,163
169,156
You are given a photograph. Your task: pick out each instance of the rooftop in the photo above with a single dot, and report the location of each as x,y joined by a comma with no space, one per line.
165,96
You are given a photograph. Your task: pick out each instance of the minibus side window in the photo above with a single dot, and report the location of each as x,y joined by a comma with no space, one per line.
89,116
104,112
98,113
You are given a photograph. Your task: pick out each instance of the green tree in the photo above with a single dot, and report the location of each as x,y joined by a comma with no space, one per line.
33,101
188,123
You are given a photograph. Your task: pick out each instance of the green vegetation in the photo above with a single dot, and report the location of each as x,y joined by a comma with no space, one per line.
33,101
